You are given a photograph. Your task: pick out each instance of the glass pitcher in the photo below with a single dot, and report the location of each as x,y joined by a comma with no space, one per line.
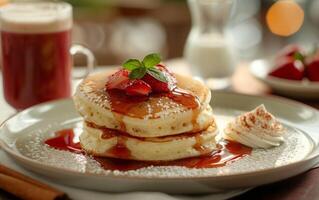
207,50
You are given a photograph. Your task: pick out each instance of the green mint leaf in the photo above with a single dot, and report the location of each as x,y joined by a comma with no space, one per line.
132,64
299,56
151,60
137,73
156,73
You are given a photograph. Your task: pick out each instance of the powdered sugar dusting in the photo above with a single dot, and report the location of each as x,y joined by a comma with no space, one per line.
296,147
167,108
92,92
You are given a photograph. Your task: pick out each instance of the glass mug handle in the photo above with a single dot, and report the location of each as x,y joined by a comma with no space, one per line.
90,59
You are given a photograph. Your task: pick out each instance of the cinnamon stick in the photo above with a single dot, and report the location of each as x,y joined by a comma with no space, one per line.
27,188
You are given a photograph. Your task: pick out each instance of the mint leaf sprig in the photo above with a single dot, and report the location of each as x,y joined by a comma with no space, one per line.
138,69
299,56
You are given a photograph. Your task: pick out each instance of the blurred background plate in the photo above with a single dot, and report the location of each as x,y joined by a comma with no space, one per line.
297,89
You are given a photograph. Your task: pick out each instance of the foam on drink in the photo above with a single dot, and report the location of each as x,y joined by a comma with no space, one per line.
36,17
35,44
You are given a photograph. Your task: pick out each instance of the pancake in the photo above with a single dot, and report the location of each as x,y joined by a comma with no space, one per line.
148,149
158,116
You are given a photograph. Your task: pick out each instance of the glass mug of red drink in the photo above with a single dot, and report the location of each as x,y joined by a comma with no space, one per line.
37,52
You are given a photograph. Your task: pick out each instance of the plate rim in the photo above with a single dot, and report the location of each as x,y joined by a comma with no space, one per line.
16,155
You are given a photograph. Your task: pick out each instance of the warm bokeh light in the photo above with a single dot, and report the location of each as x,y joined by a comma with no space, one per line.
285,17
3,2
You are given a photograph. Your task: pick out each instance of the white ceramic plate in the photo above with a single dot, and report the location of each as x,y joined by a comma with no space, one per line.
22,136
297,89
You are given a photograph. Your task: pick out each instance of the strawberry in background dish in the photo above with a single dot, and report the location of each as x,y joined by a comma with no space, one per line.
293,63
312,68
290,51
289,67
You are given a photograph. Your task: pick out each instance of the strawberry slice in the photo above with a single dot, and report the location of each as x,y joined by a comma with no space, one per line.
290,50
118,80
288,68
159,86
312,69
138,87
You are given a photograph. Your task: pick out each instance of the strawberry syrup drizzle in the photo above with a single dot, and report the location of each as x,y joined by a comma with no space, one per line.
227,152
120,150
183,97
122,103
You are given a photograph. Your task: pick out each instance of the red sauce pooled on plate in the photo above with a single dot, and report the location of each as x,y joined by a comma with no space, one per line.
227,152
64,140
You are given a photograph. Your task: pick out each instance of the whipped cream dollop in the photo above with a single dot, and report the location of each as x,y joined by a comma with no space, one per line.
257,129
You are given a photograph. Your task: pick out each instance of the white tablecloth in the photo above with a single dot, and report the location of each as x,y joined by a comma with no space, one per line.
79,194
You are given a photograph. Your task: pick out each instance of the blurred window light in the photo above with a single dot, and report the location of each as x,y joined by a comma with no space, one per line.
137,37
246,34
95,35
3,2
246,38
285,17
245,9
313,11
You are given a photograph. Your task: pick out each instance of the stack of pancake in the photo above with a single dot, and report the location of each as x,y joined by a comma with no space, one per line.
158,128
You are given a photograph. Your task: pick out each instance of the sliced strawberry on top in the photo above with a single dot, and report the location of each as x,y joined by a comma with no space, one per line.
157,86
312,69
138,87
288,68
118,80
160,86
